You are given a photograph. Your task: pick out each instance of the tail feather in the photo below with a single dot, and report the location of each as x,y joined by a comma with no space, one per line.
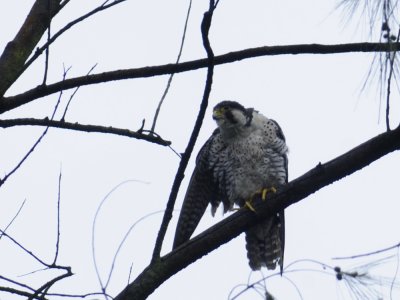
265,243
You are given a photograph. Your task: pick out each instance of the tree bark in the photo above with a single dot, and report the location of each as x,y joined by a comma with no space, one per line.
18,50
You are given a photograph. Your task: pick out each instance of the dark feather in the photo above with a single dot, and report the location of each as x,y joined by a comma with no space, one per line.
201,191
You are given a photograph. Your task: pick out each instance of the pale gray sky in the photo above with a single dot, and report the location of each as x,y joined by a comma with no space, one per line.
315,98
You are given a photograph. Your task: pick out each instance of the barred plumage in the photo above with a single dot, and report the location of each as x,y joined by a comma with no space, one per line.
246,153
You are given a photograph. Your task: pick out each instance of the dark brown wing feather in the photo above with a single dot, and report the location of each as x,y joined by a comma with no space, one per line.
201,191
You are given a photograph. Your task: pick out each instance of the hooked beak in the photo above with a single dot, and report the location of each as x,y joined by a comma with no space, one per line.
217,114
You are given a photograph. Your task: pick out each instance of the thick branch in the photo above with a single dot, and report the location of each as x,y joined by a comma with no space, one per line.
322,175
9,103
18,50
86,128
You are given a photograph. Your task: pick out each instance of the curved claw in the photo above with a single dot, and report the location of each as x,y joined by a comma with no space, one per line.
265,191
249,206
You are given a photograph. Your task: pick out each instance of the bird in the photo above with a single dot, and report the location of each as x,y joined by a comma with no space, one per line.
246,155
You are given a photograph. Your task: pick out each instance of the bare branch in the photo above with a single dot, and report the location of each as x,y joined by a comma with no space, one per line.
322,175
123,242
42,291
73,94
153,126
17,51
18,292
25,249
40,50
34,145
86,128
20,285
58,219
2,181
205,27
102,285
13,219
369,253
9,103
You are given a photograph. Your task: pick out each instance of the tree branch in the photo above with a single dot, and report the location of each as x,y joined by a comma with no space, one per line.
180,174
86,128
51,40
17,51
8,103
322,175
178,59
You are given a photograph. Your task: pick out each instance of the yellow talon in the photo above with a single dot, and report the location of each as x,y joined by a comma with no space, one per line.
249,206
265,191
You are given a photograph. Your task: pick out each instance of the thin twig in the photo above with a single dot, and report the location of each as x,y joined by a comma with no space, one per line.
153,126
130,273
174,151
368,253
102,285
65,72
205,27
26,250
78,296
58,219
123,242
40,50
42,291
73,94
2,181
13,219
33,272
21,285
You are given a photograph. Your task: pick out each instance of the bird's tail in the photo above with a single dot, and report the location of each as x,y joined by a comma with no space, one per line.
265,243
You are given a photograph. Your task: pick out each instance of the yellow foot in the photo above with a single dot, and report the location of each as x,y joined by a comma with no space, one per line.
265,191
249,206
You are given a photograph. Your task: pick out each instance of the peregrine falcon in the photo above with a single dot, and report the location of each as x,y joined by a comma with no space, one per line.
245,155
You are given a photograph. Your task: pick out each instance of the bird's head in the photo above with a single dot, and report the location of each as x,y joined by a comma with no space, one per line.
232,116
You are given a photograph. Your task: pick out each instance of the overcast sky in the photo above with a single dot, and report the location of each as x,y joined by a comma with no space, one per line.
317,99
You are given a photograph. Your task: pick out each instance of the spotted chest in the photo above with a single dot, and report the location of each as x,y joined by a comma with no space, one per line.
244,165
